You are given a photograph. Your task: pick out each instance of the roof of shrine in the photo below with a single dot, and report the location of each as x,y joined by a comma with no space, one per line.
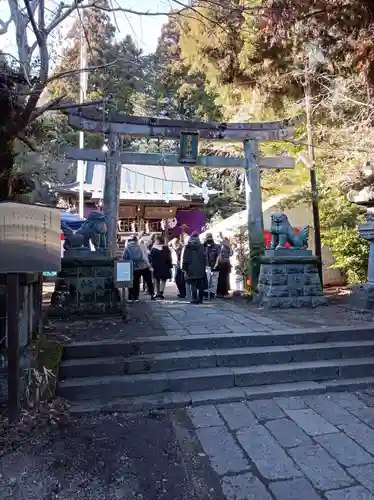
140,182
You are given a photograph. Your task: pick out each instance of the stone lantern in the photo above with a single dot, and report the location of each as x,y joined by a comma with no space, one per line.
366,292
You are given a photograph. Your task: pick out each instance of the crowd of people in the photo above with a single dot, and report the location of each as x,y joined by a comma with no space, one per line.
199,270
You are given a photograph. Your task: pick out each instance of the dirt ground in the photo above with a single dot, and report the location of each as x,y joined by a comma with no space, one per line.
145,456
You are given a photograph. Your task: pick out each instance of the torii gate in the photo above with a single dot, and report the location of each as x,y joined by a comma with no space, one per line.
116,124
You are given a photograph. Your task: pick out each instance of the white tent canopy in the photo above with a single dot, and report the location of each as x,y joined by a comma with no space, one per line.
228,227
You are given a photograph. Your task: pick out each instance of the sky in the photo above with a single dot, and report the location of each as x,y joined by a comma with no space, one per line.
145,30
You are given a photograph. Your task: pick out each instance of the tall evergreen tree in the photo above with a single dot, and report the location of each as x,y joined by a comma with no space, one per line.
118,81
179,90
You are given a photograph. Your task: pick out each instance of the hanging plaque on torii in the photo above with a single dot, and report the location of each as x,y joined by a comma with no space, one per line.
188,147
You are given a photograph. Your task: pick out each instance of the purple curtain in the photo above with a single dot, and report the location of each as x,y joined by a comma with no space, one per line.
194,219
88,209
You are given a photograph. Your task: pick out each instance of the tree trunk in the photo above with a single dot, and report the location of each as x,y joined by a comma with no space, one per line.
7,117
6,164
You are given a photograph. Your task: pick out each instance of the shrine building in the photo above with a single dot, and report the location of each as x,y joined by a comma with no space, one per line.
148,195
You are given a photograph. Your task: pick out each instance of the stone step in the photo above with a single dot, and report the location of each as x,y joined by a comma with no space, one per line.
197,398
115,386
150,345
91,367
210,358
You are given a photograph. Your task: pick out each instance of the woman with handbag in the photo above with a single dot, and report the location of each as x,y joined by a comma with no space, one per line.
177,248
224,268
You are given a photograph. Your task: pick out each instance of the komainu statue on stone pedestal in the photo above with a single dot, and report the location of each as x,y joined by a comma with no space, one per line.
94,228
283,233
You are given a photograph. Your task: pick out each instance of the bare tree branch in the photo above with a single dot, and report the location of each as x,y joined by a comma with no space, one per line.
63,11
4,25
199,14
42,109
346,98
22,66
20,21
72,105
28,142
124,9
44,57
31,13
70,72
41,20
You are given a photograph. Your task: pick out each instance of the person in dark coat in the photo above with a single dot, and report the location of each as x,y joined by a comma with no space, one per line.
160,258
212,251
149,246
193,264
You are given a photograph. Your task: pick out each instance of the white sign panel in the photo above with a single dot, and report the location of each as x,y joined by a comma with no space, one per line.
124,273
30,238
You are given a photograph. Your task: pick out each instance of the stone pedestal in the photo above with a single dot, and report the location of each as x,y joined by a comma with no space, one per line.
85,285
289,279
362,296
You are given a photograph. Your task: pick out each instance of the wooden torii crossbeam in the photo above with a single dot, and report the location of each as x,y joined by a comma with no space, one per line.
116,124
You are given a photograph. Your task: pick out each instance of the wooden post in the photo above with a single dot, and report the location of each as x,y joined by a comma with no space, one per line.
13,305
39,305
112,189
38,308
254,208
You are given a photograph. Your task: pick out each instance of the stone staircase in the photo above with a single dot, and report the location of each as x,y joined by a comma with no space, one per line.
170,371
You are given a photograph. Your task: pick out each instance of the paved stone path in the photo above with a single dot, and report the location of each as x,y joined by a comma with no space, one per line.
318,447
179,317
296,448
232,314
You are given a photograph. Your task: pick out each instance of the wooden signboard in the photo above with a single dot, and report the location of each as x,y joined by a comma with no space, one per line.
159,212
128,212
30,238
